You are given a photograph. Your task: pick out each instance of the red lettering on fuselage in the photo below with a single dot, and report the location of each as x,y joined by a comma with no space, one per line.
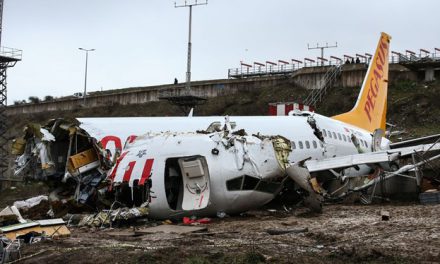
117,141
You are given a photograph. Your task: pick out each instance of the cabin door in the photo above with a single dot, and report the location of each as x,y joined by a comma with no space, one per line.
195,176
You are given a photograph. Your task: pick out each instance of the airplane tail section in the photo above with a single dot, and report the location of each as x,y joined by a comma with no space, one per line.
370,110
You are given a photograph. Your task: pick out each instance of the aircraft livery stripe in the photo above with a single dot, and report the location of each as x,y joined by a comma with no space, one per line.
113,174
147,171
127,174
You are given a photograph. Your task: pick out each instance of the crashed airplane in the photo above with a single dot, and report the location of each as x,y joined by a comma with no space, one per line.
179,166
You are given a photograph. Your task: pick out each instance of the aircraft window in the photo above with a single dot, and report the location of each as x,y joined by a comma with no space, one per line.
300,144
249,182
234,184
315,145
330,134
334,135
362,142
325,133
349,139
293,144
339,136
244,182
268,187
345,138
307,144
321,144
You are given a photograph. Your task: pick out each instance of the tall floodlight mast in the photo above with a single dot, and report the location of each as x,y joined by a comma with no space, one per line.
8,58
189,4
187,99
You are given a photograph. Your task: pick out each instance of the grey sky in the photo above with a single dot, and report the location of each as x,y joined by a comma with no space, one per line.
144,42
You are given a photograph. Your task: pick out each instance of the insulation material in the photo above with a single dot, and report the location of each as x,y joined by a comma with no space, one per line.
83,158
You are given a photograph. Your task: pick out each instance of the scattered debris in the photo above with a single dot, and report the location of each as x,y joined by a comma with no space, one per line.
273,232
430,197
34,208
9,250
123,233
10,215
50,228
171,229
106,218
385,215
190,221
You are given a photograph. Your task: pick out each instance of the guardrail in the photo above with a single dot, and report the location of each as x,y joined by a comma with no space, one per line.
11,53
404,58
245,71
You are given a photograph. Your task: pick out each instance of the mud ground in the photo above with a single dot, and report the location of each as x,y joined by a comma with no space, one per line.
342,234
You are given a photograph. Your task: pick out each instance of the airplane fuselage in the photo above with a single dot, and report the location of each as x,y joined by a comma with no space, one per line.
336,140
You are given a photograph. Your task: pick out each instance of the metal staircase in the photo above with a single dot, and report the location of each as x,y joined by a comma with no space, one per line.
317,94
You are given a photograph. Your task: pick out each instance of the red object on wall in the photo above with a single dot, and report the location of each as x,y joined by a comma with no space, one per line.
283,109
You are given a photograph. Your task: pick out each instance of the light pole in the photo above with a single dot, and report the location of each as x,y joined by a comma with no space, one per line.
85,75
188,65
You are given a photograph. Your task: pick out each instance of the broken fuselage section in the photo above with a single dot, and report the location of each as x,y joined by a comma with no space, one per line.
201,173
173,174
64,154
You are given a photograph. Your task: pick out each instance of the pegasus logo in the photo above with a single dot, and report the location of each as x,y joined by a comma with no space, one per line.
373,89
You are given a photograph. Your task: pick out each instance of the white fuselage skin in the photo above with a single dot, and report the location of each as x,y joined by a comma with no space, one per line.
295,128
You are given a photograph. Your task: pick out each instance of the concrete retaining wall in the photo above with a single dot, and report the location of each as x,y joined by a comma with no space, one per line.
352,76
141,95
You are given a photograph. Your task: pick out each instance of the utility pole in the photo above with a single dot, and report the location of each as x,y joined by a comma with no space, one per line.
322,49
189,4
85,74
1,20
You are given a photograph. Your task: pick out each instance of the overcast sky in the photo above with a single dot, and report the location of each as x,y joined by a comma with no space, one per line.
144,42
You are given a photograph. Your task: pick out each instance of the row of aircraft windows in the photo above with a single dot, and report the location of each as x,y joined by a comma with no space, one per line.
330,134
307,144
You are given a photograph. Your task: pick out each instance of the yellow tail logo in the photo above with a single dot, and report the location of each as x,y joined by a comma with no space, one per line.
370,110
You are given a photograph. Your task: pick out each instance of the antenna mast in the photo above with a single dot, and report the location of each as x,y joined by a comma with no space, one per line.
322,49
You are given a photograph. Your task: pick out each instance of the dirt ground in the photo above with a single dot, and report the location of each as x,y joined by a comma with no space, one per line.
342,234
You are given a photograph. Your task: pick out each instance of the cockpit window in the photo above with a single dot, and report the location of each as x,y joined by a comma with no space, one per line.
324,133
